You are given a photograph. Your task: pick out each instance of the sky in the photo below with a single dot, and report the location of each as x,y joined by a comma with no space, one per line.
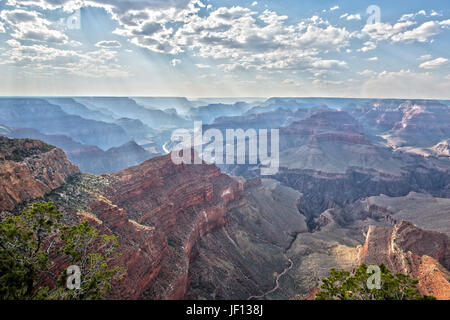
224,48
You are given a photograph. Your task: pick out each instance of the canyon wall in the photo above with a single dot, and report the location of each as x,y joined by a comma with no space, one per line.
30,169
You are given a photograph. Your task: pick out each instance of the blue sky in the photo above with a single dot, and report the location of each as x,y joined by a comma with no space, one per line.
200,48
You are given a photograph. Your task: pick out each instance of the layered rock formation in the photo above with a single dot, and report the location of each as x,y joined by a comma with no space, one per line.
419,123
177,223
442,148
190,231
430,213
404,248
30,169
181,204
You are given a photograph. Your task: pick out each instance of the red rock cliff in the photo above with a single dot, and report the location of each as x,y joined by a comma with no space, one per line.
404,248
30,169
160,211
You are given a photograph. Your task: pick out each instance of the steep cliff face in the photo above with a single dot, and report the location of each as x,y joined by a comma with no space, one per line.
404,248
180,204
247,258
183,228
30,169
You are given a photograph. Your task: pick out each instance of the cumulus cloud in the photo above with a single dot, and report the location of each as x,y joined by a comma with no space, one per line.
353,17
435,14
42,58
433,64
108,44
238,38
30,25
329,64
261,42
334,8
411,16
368,46
404,31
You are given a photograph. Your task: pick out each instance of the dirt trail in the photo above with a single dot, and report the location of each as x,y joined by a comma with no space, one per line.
286,270
277,282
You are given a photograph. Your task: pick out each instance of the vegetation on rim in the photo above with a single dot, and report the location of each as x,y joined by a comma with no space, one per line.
345,285
36,249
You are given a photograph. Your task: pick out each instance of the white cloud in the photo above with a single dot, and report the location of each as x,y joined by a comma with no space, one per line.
420,34
334,8
202,66
402,32
433,64
175,62
410,16
425,57
2,28
246,39
30,25
39,58
255,3
368,46
372,59
367,73
108,44
353,17
329,64
238,35
435,14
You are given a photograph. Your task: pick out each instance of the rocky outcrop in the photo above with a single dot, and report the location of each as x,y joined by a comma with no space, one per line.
418,123
30,169
442,148
164,209
404,248
142,249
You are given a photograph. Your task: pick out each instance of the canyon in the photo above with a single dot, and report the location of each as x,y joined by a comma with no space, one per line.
344,194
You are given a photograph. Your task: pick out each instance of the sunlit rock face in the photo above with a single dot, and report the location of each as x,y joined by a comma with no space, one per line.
404,248
413,123
30,169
